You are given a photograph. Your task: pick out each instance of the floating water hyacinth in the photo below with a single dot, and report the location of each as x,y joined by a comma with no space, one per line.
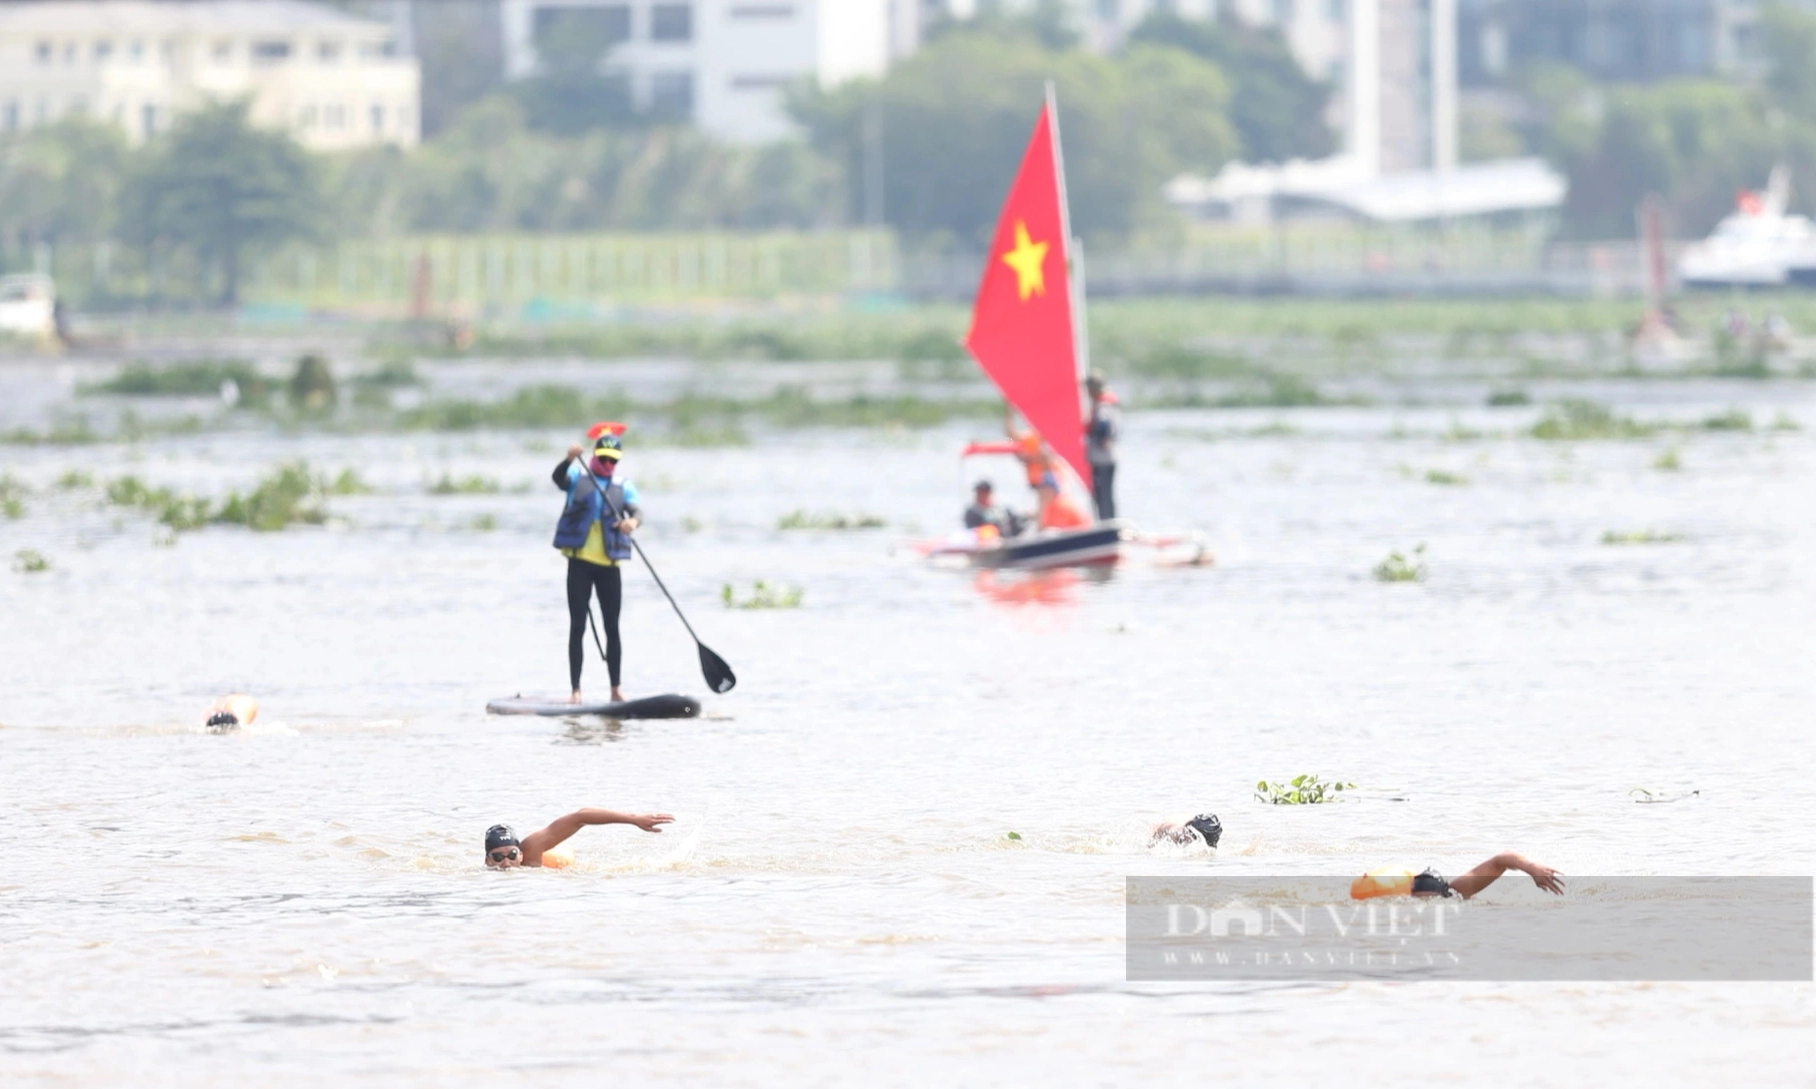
1400,568
763,596
1303,790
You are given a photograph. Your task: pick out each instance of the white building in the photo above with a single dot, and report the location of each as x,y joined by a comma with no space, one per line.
724,64
331,80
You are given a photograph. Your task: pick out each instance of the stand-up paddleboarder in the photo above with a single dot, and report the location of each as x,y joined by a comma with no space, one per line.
594,534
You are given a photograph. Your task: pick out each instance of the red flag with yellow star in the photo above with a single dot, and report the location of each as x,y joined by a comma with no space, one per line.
1022,330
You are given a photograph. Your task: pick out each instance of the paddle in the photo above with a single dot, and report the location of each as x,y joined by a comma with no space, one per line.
719,676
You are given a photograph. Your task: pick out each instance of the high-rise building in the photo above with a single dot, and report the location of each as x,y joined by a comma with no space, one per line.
1617,40
1400,88
330,79
722,64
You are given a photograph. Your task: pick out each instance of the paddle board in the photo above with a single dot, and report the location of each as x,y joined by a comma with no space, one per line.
670,706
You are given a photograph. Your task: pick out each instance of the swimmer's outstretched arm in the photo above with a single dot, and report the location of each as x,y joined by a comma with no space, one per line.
1484,875
561,828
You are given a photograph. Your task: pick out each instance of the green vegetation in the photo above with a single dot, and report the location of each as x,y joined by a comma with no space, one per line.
801,519
1509,398
289,495
468,485
179,512
1734,419
188,378
1013,835
1401,568
30,561
483,523
696,418
763,596
1446,478
1784,421
1640,537
1303,790
312,387
76,478
1670,461
12,496
1578,421
64,431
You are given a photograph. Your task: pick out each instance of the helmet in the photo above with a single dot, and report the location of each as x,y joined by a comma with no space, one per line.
1208,826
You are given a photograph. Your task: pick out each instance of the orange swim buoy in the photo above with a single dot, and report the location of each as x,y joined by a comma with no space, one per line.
1377,883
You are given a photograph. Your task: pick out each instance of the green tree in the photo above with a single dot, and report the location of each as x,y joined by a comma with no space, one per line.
219,189
954,122
60,183
1276,108
1694,142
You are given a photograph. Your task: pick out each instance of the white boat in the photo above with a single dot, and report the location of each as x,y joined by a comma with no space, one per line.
1759,245
28,306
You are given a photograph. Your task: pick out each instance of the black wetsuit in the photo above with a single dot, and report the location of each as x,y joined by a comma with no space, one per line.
585,579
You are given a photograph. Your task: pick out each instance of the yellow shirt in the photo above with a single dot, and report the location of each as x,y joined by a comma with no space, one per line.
593,551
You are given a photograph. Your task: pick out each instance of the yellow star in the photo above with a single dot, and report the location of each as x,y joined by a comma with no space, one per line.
1028,259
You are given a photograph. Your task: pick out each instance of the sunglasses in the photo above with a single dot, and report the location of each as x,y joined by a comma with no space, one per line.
503,854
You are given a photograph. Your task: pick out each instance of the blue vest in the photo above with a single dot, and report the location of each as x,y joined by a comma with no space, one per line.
586,504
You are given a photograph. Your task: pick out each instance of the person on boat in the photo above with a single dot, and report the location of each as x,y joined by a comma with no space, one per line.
985,511
1205,828
1102,430
1056,511
230,711
1431,883
1028,449
504,851
594,534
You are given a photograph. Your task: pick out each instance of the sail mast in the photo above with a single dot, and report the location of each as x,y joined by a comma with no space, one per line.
1081,339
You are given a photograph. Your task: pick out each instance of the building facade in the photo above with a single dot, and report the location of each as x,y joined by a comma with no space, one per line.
724,65
1614,40
331,80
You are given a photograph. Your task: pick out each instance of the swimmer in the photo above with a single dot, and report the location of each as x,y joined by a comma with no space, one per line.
1204,828
504,851
228,712
1432,883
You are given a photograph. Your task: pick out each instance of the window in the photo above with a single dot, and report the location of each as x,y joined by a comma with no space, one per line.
223,51
328,52
308,119
385,48
45,49
148,120
671,96
766,11
673,23
103,50
136,51
69,52
336,117
378,118
270,52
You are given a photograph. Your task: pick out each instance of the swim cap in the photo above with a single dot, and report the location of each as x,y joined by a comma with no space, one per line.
223,719
500,835
1208,826
608,448
1431,881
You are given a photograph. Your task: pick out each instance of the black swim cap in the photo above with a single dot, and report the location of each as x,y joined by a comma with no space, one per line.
1431,881
1207,826
500,835
223,718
